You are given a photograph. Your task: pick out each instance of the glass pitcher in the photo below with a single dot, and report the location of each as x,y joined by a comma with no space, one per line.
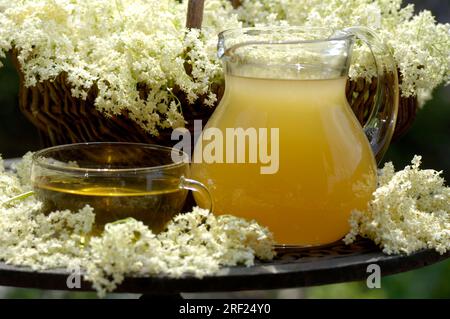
284,147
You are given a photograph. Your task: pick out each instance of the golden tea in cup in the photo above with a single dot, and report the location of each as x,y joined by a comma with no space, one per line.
119,180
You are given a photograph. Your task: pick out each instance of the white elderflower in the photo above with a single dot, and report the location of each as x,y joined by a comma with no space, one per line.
195,243
245,239
410,210
23,170
121,250
10,185
117,46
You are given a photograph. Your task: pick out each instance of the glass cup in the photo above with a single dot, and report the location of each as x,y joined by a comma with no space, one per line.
119,180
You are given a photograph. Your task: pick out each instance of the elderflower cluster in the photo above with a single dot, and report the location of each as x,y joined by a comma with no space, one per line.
122,47
118,46
195,243
30,238
410,210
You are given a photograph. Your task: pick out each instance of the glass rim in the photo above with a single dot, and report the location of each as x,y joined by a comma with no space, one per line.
37,158
341,34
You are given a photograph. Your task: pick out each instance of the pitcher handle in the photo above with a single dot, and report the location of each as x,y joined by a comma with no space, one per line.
380,125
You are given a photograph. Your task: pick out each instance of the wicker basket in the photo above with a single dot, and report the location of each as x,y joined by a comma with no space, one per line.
61,119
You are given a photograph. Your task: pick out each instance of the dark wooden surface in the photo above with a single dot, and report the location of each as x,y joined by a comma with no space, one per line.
303,267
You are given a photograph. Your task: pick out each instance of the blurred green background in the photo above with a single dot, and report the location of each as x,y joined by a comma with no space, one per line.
429,137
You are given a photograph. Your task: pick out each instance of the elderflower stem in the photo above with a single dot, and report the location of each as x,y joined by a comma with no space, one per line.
16,198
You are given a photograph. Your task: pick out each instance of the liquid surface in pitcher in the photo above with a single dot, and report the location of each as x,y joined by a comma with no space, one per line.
326,165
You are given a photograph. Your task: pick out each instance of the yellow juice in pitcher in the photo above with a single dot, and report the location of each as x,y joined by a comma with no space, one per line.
326,166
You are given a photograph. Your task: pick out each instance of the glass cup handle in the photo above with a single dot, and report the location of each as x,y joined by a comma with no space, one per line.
380,125
195,186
